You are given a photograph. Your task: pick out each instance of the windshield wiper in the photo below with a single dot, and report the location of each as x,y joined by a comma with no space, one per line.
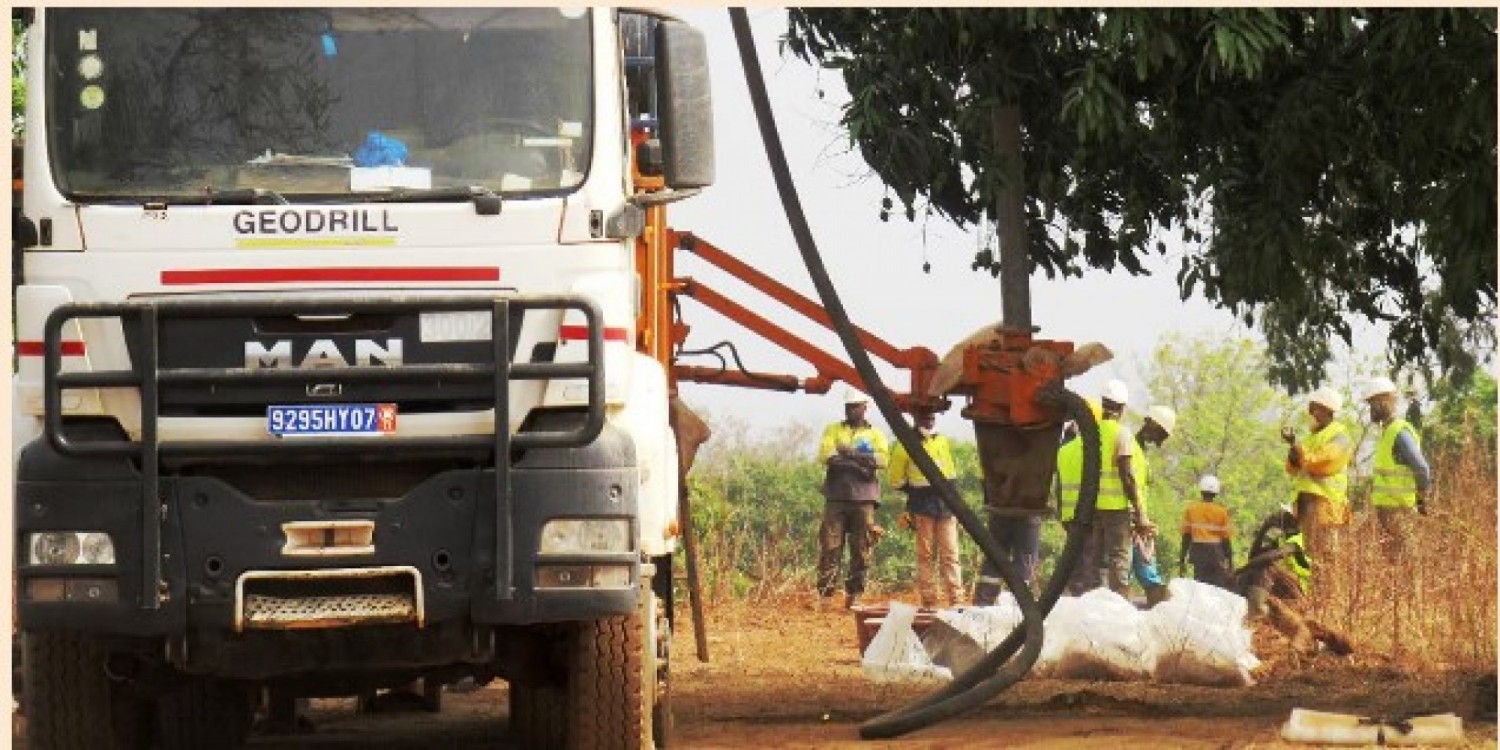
212,197
486,201
236,197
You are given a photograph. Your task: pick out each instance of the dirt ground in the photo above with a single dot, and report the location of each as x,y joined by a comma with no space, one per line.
788,676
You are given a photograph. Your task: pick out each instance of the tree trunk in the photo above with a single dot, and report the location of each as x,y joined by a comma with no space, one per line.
1010,221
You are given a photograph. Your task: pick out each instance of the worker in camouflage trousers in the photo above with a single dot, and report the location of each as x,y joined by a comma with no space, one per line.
853,453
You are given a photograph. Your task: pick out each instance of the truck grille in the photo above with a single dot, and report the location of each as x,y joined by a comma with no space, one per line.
313,612
328,598
331,341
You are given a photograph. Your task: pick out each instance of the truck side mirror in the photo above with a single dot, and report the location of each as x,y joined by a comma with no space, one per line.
685,105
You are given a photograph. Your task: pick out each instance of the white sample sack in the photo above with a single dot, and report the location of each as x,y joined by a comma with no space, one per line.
1099,638
895,654
1199,637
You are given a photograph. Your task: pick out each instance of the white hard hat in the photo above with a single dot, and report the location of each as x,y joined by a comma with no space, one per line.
1164,416
853,396
1116,391
1328,398
1376,386
1209,483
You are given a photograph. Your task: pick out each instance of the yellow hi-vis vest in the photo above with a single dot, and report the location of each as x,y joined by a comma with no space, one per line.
904,471
1334,486
1111,490
1395,483
1302,572
1069,477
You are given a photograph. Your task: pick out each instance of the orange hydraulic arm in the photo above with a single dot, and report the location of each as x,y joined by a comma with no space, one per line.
921,362
659,333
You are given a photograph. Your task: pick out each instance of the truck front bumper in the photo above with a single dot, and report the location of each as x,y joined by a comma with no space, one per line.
475,550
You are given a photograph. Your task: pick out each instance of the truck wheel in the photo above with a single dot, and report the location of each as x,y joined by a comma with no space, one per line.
539,716
612,705
432,695
71,703
203,714
662,722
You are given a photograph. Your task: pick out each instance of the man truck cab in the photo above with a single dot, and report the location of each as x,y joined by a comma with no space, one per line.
331,321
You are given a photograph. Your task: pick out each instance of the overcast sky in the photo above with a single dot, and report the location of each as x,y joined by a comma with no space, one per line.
876,266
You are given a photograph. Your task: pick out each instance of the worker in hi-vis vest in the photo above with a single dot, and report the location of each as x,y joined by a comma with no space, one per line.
853,453
1317,466
1402,477
935,526
1120,511
1207,536
1065,489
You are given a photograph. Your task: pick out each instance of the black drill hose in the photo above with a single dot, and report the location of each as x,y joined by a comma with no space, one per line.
975,685
998,670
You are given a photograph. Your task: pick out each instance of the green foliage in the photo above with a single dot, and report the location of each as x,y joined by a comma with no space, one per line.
756,505
17,79
1463,418
1229,423
1321,163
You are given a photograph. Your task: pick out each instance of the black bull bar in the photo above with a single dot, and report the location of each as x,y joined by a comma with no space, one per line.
144,317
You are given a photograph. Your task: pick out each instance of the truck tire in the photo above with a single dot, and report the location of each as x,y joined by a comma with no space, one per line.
657,668
203,714
612,705
71,704
432,695
663,724
539,716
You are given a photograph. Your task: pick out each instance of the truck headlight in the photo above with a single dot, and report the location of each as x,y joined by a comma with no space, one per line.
70,548
572,536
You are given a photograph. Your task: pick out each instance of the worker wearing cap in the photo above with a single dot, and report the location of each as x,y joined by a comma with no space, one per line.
1317,466
1121,508
1402,476
1155,429
1065,489
1278,564
1274,581
1206,536
853,453
928,517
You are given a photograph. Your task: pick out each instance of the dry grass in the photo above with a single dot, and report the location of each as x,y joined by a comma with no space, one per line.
1433,609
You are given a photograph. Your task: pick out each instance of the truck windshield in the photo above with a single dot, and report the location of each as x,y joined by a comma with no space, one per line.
317,103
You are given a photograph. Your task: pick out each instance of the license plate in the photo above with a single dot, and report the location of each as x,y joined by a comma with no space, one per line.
447,327
331,419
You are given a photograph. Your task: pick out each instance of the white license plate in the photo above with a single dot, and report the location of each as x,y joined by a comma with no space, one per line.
443,327
331,419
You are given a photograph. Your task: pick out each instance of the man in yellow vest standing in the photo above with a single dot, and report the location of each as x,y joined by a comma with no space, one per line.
1402,476
930,519
1068,484
853,452
1206,536
1121,507
1317,466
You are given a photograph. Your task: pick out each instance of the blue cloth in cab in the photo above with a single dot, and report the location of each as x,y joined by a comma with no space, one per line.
380,150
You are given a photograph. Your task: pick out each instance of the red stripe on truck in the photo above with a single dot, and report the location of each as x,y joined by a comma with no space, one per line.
190,276
581,333
38,348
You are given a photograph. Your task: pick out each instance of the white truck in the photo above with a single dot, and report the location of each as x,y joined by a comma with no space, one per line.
343,331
